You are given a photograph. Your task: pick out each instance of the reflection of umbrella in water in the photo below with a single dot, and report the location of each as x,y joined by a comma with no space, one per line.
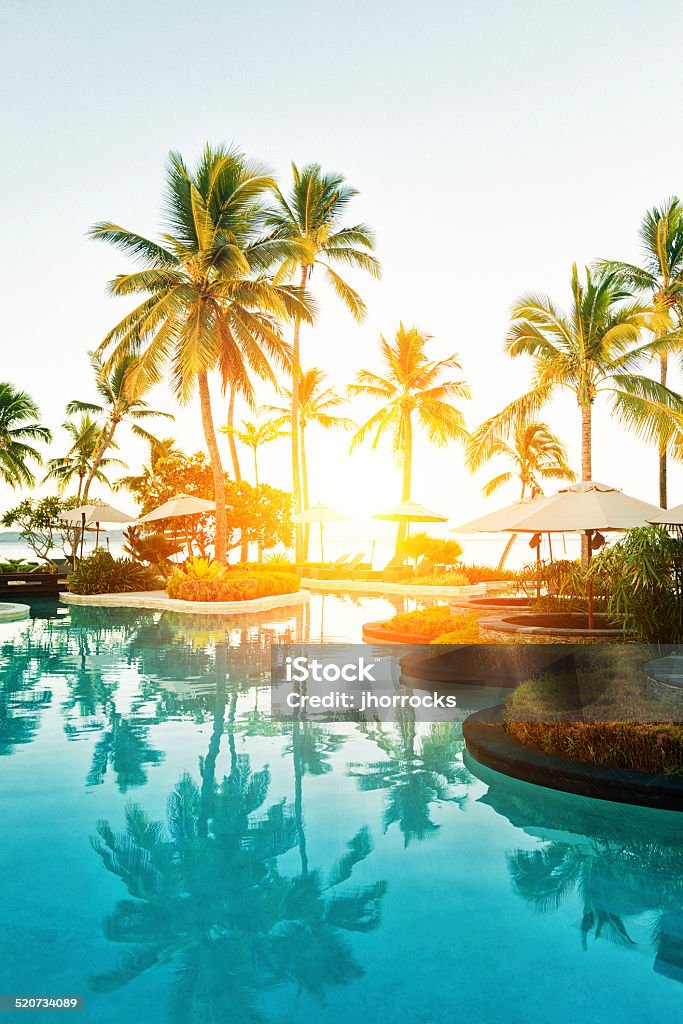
98,512
320,514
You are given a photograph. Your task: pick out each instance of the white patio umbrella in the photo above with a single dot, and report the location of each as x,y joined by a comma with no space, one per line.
410,512
179,505
503,518
668,517
589,508
97,512
320,514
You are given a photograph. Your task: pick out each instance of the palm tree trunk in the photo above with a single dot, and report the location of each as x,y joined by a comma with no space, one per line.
234,458
105,439
407,472
221,543
586,466
663,497
232,444
513,536
296,478
304,489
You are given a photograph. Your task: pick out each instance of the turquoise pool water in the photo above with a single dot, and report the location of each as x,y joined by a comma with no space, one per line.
172,855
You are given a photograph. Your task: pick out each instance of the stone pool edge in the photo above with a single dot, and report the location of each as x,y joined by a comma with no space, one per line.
12,612
157,600
489,744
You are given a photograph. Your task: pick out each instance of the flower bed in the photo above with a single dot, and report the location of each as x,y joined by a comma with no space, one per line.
234,585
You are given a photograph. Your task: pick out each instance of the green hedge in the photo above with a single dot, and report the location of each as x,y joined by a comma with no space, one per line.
234,586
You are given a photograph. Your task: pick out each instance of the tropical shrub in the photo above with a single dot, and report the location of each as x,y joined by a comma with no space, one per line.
425,622
441,579
232,586
156,549
643,578
204,569
101,573
425,551
12,565
486,574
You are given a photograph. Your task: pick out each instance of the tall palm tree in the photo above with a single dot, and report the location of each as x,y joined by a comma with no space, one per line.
311,215
592,350
411,386
253,435
77,463
534,455
317,404
19,427
121,389
660,276
209,302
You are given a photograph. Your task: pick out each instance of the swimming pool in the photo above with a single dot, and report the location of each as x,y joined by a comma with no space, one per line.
171,854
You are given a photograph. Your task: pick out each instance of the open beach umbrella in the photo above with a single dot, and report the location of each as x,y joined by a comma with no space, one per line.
668,517
98,512
410,512
320,514
179,505
589,508
502,519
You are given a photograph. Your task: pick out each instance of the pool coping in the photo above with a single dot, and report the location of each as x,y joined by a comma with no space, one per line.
158,600
12,612
489,744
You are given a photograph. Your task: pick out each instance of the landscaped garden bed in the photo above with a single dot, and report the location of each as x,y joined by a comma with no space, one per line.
613,718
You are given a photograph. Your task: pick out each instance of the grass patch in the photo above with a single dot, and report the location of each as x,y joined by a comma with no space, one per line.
602,714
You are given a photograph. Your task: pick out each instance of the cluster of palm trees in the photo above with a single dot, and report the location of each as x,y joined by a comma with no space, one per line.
621,318
231,275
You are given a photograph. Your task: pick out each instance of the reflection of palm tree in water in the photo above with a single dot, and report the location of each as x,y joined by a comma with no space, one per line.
208,895
614,880
416,772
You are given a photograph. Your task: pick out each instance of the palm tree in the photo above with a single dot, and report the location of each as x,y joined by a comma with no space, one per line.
253,435
159,448
534,454
660,276
121,390
317,404
77,463
208,300
18,426
412,385
311,215
592,350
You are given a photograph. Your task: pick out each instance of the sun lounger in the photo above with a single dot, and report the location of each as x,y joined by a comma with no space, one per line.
342,571
394,570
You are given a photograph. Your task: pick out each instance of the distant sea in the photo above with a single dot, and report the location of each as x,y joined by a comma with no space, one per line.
482,550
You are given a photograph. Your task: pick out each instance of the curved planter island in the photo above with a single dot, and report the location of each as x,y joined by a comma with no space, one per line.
550,628
158,600
489,744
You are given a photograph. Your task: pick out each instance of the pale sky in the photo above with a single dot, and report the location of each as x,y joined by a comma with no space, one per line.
494,143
